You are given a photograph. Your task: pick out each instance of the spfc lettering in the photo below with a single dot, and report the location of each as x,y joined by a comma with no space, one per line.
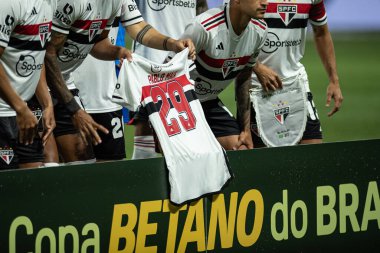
287,13
229,66
7,155
44,33
281,114
94,28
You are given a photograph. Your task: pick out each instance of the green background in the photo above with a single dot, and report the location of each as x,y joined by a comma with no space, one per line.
358,60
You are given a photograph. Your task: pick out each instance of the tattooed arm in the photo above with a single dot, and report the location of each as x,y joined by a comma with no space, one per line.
83,121
243,104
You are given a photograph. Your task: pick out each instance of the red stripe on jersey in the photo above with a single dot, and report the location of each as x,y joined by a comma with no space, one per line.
301,8
86,24
317,11
216,15
213,26
258,24
218,63
30,29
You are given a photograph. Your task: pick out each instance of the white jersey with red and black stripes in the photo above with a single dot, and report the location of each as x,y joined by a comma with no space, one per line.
179,122
83,21
287,27
221,54
25,28
96,79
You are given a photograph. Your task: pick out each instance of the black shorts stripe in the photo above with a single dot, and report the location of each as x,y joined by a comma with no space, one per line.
213,75
278,23
26,45
152,107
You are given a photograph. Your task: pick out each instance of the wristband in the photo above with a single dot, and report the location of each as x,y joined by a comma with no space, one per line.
72,106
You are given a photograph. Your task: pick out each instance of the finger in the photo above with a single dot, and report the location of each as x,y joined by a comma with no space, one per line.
46,134
333,111
100,127
279,82
95,136
328,100
29,135
83,135
21,136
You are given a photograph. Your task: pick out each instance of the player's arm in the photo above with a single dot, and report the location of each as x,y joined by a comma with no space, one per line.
202,6
82,120
145,34
26,121
243,105
325,48
44,98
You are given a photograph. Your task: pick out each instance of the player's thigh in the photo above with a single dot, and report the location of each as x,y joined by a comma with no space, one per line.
222,123
113,144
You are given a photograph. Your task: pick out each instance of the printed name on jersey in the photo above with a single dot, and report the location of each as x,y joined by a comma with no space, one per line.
26,65
62,17
155,78
7,155
159,5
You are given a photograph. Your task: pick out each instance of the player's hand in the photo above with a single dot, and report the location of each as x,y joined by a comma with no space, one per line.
124,54
27,124
49,124
88,127
269,79
334,92
244,141
179,45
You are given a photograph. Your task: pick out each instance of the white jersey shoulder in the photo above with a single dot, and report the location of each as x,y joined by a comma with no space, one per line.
25,28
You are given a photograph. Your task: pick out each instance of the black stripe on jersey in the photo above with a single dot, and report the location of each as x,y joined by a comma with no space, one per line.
81,38
26,45
117,97
5,41
225,15
152,107
320,21
278,23
214,75
128,20
213,21
116,22
61,28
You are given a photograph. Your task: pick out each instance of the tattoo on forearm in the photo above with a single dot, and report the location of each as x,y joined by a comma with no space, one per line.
141,34
165,43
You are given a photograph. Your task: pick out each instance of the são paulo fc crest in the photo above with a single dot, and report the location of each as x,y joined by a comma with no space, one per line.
94,28
287,12
281,111
229,66
7,155
44,33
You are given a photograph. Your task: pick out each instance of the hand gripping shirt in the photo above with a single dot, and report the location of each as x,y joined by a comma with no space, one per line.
285,43
83,21
196,162
25,28
221,54
95,78
168,17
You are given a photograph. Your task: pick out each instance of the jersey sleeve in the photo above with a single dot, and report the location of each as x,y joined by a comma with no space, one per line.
67,13
115,15
9,18
197,34
130,13
317,13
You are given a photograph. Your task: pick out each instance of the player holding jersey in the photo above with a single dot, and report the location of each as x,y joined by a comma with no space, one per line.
292,117
96,87
227,40
80,28
25,27
169,19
